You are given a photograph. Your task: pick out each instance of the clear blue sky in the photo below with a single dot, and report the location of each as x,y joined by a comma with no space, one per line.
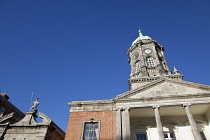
75,50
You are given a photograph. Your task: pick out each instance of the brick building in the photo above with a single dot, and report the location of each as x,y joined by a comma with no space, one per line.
9,112
29,129
15,125
159,105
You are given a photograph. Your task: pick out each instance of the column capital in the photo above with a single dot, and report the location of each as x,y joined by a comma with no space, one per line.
148,126
125,123
186,105
155,106
119,109
125,108
122,108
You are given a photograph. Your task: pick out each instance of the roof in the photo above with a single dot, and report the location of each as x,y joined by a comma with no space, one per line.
163,87
182,89
141,37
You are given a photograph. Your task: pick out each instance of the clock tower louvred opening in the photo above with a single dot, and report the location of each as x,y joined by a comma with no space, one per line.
147,61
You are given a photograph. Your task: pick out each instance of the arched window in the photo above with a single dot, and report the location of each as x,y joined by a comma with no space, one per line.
150,62
138,66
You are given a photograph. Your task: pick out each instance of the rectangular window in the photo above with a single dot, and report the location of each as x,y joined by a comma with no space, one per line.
2,110
150,62
91,131
138,66
141,136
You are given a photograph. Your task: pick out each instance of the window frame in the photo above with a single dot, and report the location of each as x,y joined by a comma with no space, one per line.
137,67
91,121
150,62
2,111
203,135
168,133
140,134
134,132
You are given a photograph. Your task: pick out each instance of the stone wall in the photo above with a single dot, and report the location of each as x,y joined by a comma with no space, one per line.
23,132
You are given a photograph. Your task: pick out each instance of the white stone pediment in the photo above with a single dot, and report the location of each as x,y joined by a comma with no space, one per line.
166,88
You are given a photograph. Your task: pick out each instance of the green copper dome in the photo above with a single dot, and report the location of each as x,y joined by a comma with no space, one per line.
141,37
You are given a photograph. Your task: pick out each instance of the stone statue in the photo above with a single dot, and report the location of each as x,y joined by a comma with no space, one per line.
176,71
34,107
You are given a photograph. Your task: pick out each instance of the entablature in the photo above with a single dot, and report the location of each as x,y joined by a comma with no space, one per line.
166,101
97,105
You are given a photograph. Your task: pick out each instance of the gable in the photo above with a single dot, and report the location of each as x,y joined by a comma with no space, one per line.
166,88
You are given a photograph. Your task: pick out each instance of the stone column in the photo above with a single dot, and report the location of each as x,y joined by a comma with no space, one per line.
125,124
158,122
193,125
119,124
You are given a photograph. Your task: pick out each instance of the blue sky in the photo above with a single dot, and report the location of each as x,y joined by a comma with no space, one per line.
65,50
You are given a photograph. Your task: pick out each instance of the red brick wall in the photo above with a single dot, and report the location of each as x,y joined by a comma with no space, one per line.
107,124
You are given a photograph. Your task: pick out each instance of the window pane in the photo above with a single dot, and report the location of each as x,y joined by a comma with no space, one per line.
141,137
90,131
150,62
166,135
171,135
203,136
2,110
138,66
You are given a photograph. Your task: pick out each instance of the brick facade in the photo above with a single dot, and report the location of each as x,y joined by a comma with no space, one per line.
11,113
107,124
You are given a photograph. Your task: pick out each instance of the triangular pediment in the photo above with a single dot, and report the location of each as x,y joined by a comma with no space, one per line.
166,88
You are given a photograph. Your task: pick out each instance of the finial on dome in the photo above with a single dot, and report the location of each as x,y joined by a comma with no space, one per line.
141,37
140,33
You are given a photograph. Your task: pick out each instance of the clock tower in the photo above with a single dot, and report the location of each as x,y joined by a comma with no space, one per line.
147,61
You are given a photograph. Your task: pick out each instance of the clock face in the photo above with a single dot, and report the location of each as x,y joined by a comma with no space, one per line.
136,55
147,51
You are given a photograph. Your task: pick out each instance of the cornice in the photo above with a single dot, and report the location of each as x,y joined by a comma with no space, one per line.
159,98
8,116
86,103
150,79
190,84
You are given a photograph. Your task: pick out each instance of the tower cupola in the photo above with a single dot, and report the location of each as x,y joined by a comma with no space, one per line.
147,60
